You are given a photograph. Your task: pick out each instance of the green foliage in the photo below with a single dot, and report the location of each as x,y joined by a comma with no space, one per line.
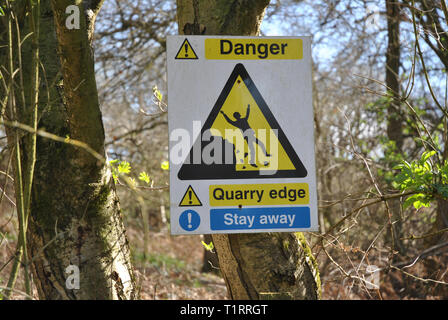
197,283
379,107
114,168
123,168
427,178
390,159
144,177
208,247
157,93
160,260
165,165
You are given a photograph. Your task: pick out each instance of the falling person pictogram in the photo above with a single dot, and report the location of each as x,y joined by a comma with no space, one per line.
248,134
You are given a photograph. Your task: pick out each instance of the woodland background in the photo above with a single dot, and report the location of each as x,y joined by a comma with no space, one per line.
380,102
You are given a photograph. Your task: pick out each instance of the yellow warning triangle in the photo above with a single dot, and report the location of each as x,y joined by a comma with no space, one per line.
259,149
190,199
242,122
186,51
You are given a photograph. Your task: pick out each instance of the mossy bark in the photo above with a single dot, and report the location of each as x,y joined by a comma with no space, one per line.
234,17
268,266
262,265
75,217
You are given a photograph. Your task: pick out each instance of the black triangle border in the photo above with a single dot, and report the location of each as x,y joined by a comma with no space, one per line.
181,46
193,171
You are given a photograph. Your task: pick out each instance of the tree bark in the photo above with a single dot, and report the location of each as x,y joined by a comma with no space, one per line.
394,113
262,265
75,217
394,119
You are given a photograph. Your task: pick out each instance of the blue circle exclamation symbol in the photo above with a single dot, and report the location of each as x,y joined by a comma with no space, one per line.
189,220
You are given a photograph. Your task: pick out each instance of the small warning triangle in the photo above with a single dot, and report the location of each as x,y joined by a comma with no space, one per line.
186,51
190,199
244,138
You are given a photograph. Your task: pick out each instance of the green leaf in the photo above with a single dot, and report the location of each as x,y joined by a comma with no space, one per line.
165,165
144,177
426,155
157,93
410,200
419,204
417,200
124,167
442,189
208,247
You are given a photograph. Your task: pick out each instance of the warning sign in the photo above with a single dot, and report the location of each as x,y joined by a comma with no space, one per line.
186,51
260,218
253,49
241,128
190,199
242,120
258,194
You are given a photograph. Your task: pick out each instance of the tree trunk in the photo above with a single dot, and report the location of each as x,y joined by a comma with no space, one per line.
262,265
394,118
75,220
394,113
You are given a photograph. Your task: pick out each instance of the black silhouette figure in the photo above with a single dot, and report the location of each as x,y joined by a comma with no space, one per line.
248,134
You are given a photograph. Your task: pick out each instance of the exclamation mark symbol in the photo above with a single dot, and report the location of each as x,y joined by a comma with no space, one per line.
186,50
189,220
190,194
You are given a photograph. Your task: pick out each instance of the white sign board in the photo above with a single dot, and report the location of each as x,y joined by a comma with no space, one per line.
241,135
